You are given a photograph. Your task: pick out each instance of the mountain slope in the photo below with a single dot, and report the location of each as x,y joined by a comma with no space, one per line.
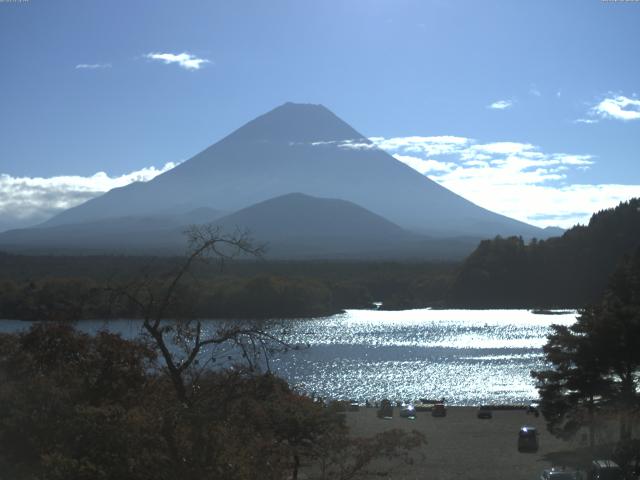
132,234
297,225
292,226
306,216
301,148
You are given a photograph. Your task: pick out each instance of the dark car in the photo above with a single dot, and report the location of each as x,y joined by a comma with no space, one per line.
439,410
386,409
485,412
528,439
534,409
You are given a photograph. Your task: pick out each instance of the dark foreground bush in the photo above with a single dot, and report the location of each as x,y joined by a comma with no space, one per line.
80,407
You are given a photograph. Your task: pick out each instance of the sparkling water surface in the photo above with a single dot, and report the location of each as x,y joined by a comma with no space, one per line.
466,356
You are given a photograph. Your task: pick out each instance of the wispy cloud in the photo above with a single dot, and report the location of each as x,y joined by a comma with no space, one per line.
29,200
348,144
92,66
184,59
426,166
356,144
501,105
435,145
516,179
588,121
618,107
533,90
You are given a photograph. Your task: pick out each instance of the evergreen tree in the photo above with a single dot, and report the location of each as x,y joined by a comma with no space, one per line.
617,332
571,391
595,363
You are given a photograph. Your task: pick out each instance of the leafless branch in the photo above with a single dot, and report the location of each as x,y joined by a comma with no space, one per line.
154,298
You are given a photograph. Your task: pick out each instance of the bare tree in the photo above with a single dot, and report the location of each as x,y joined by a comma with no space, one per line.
295,428
180,340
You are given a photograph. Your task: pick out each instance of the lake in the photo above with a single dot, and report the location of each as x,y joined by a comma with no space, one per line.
466,356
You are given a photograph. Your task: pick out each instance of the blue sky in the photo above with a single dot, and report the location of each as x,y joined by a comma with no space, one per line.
529,108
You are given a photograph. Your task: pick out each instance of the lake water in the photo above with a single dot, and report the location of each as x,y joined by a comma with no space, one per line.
466,356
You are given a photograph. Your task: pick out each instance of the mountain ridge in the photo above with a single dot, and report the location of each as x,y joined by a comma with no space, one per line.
302,148
245,168
294,226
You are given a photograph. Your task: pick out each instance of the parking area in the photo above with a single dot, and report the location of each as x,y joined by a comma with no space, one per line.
461,446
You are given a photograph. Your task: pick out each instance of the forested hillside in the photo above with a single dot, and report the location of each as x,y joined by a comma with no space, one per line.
568,271
67,287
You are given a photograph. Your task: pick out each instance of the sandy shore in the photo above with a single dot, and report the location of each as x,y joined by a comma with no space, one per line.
461,446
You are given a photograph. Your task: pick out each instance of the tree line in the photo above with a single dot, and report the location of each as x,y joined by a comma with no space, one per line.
255,297
55,288
563,272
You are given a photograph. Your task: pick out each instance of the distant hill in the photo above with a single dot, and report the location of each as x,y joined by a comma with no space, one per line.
294,226
568,271
302,148
300,226
149,234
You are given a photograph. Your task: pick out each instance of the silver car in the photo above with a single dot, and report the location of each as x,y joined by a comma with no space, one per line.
560,473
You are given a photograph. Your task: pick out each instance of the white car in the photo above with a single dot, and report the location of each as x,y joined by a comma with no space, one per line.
408,411
560,473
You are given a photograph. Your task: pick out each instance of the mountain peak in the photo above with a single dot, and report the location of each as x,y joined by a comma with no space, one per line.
297,123
284,151
301,106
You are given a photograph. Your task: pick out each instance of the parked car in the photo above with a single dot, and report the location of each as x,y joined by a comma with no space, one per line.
533,408
386,409
424,405
560,473
528,439
485,412
439,410
605,470
408,411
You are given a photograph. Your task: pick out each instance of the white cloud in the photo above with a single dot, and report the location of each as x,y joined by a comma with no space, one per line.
350,144
425,166
184,59
588,121
504,148
28,200
534,91
356,144
539,204
501,104
436,145
516,179
567,159
92,66
618,108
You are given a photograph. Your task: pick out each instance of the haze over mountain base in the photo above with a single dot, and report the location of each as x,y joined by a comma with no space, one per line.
351,200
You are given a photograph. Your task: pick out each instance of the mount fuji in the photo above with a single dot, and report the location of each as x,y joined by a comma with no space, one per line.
295,148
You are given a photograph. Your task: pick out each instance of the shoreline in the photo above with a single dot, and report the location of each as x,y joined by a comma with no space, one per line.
551,311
